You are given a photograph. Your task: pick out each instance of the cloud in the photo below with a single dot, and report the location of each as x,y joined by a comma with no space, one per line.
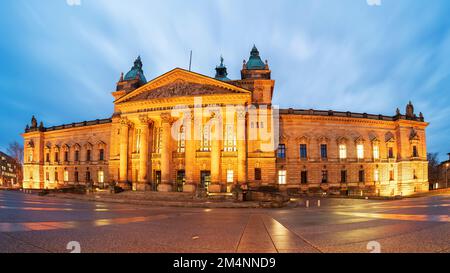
73,2
374,2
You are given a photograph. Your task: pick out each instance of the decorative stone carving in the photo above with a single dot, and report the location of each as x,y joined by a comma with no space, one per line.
180,88
166,117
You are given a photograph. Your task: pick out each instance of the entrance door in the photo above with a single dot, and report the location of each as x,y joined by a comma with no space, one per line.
156,180
205,177
181,179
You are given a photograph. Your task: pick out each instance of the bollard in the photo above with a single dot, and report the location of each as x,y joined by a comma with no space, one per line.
318,203
307,203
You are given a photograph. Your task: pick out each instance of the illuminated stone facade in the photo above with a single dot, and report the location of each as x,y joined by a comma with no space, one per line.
182,131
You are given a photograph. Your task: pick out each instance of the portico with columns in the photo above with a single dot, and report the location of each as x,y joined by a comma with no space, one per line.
180,132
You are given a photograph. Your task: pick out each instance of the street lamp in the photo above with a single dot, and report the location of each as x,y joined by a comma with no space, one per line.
446,175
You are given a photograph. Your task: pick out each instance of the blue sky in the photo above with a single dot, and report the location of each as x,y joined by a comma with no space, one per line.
60,62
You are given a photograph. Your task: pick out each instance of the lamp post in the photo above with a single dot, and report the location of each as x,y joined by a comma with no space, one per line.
446,175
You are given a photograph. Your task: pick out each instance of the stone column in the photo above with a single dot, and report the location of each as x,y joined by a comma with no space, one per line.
143,154
242,146
190,157
166,153
216,137
124,127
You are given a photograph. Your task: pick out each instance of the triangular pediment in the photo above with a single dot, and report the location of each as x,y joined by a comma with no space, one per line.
180,83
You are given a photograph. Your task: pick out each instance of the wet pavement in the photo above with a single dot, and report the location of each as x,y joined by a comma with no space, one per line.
29,223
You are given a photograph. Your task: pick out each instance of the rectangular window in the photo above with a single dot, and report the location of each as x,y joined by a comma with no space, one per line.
343,176
181,140
230,176
101,177
282,177
56,157
101,155
77,156
56,177
157,140
281,151
324,176
391,175
376,152
303,151
342,151
304,177
323,151
206,139
376,175
360,151
258,174
230,138
47,176
88,155
415,152
76,176
391,152
47,157
137,147
361,176
66,156
30,156
88,176
66,176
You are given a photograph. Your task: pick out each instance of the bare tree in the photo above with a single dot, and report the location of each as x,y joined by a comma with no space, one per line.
15,150
433,167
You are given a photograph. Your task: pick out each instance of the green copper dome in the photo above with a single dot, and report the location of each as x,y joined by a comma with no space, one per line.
255,61
136,72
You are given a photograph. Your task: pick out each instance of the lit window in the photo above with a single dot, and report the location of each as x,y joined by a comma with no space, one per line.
181,140
66,176
206,139
360,151
138,140
376,152
101,177
230,176
282,177
230,138
342,151
376,175
157,140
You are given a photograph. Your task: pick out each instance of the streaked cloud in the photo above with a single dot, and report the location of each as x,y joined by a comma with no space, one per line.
343,55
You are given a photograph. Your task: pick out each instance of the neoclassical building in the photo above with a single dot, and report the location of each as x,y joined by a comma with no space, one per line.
183,131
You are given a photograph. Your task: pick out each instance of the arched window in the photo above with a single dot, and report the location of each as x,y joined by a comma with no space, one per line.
342,151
